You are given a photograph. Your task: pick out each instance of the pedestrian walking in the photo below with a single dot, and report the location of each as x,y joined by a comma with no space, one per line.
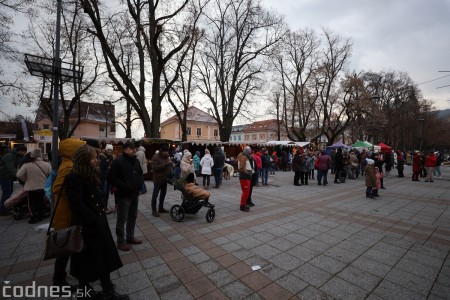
161,167
207,164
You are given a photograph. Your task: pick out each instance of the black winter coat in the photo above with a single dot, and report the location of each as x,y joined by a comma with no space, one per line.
219,159
126,175
100,254
265,159
297,162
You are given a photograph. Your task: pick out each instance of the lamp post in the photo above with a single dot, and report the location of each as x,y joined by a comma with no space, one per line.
374,99
106,105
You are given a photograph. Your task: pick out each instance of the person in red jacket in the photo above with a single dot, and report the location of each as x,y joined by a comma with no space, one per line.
430,165
416,166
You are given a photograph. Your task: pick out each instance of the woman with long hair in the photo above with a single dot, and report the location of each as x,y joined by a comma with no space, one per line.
99,257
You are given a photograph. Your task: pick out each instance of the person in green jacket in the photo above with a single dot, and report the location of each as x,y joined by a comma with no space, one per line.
8,171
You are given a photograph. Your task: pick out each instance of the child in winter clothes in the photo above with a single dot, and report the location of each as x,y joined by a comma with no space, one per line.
371,179
196,191
378,177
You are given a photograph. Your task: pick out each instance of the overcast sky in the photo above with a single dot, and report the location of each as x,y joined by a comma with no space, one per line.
412,36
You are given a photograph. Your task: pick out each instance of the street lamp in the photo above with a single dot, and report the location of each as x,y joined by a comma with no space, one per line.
106,105
373,99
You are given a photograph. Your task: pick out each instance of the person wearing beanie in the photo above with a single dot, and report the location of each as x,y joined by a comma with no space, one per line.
34,174
245,175
219,164
186,164
161,167
99,256
125,174
370,177
105,159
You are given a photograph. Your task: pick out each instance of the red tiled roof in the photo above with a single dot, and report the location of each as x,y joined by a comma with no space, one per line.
193,114
263,126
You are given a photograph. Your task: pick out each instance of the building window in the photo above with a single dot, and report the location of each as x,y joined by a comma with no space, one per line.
101,128
188,130
199,131
262,136
216,132
254,137
246,137
46,126
239,137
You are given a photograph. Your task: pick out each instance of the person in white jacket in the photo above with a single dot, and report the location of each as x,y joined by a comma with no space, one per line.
186,164
34,173
207,162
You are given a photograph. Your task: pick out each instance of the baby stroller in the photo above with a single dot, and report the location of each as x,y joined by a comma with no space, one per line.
189,205
18,204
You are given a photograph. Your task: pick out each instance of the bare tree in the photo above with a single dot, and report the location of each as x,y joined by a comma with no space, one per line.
76,50
239,34
149,26
332,111
185,85
295,65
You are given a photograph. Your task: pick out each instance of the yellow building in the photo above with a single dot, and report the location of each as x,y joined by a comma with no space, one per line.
201,126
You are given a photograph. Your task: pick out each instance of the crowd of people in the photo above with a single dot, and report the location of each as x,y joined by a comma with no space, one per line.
88,175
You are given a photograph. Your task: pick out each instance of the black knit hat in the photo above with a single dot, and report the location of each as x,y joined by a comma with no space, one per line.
93,143
129,144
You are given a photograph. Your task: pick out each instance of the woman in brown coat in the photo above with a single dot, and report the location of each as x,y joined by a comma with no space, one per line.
371,179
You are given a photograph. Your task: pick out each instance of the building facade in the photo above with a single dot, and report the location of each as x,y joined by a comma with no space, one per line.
201,126
96,120
258,132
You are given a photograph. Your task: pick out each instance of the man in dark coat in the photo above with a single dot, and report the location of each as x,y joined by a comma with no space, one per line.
125,174
161,168
219,163
338,165
8,171
296,167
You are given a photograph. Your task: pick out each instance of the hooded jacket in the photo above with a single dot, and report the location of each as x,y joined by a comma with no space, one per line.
207,163
63,214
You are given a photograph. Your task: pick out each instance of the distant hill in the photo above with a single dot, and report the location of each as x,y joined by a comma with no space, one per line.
444,114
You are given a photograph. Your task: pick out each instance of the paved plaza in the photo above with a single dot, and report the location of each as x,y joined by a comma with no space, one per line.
311,242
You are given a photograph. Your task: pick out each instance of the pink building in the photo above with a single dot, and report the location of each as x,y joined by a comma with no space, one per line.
94,117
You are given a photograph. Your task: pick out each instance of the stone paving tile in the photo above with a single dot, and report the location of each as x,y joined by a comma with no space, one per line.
394,248
291,283
236,290
341,289
359,278
409,281
221,277
389,290
312,293
312,275
371,266
328,264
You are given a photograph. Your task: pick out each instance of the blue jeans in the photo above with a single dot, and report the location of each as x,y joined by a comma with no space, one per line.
322,174
126,214
7,190
272,170
218,176
157,188
264,176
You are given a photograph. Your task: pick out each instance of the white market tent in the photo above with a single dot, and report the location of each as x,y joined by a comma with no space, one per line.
285,143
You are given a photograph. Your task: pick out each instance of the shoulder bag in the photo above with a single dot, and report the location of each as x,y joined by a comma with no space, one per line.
63,242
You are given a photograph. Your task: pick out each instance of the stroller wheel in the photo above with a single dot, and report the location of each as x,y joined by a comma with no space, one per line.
17,215
210,215
177,213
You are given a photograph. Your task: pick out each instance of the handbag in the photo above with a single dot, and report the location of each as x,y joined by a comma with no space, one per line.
63,242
